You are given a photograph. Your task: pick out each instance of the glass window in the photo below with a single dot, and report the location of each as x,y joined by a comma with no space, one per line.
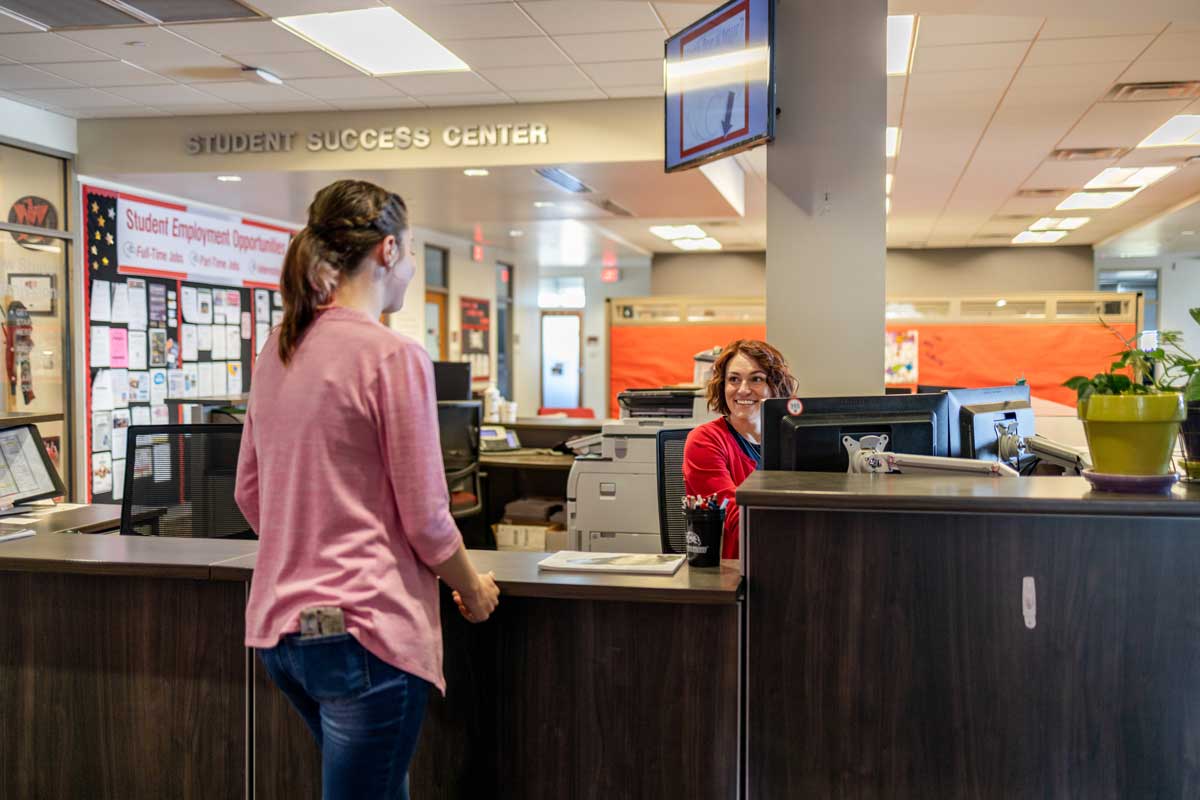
32,189
436,266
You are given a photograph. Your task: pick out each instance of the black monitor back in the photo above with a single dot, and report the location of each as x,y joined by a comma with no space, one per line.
452,380
974,414
458,428
812,440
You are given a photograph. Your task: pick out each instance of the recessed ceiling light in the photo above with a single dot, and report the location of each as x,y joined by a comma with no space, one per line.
475,173
1188,233
542,204
515,232
887,183
229,178
707,243
1096,200
673,232
1059,223
262,75
1128,177
1073,223
892,147
378,41
1183,129
887,205
1001,303
899,43
1038,237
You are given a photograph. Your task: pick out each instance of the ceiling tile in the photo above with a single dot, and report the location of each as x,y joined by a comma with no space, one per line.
1100,50
249,93
365,103
109,112
161,50
441,83
19,76
308,104
77,98
963,82
969,56
104,73
626,73
615,92
1174,47
1075,97
917,104
248,37
948,29
344,88
284,8
313,64
1146,71
525,51
215,107
459,21
557,95
597,47
679,15
588,16
485,99
1121,124
1083,26
1095,77
47,48
524,79
175,94
11,25
1057,174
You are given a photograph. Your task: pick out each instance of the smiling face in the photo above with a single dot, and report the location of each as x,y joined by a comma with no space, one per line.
746,387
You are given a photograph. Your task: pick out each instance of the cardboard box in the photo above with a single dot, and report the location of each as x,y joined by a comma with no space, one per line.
537,538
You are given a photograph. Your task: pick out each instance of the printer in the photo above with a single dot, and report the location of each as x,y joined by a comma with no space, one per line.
613,497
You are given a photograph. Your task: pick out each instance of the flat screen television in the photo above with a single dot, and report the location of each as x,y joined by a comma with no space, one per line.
720,87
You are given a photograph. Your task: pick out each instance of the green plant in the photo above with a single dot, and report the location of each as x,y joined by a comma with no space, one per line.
1134,370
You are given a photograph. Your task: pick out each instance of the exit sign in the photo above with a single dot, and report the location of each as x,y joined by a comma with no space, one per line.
477,252
610,275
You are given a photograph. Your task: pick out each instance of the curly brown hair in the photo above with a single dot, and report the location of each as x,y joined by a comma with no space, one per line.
779,377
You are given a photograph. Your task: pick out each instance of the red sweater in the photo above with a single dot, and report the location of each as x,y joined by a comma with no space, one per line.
714,463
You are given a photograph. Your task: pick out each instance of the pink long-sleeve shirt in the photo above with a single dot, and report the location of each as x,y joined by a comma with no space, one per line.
341,476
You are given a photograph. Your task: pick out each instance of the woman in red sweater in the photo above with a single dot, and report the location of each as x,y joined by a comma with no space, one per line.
720,454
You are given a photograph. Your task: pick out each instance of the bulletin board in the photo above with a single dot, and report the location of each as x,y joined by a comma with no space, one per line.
179,301
475,319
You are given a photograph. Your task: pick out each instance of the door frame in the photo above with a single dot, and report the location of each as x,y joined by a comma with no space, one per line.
440,297
542,354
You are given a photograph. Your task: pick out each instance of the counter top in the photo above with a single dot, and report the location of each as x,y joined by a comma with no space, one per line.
12,419
583,425
526,458
151,556
1033,495
518,576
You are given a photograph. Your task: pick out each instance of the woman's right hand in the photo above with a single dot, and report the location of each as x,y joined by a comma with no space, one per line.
478,605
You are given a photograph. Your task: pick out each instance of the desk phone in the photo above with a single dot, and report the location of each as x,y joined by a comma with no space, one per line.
496,438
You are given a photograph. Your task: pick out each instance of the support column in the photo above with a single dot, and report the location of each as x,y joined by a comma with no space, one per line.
825,196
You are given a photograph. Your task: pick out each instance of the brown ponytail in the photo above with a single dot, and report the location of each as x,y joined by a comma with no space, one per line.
346,220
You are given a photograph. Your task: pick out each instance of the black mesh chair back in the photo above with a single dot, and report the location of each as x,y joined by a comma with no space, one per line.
672,524
180,480
458,429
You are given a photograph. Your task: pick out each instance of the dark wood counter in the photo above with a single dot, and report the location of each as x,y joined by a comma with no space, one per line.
147,556
889,654
93,518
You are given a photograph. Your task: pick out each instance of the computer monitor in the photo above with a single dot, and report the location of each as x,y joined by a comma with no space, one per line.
979,418
26,472
458,429
452,380
812,440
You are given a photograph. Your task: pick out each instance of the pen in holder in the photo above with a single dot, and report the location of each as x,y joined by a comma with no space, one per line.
705,525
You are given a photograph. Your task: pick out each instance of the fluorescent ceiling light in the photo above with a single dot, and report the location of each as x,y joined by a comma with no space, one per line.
707,243
475,173
515,232
1059,223
1128,177
1038,237
1096,200
887,183
378,41
673,232
893,142
1183,129
1001,303
899,43
887,205
263,75
542,204
229,178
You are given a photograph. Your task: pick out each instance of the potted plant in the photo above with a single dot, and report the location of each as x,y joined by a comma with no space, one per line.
1130,418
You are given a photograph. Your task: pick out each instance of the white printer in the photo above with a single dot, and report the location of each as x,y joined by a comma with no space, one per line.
613,498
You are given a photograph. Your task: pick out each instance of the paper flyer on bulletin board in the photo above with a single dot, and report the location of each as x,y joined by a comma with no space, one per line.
476,322
165,277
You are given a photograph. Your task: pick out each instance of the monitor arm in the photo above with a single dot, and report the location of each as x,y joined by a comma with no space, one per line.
1073,460
868,455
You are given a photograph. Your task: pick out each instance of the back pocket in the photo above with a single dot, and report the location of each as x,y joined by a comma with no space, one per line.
334,667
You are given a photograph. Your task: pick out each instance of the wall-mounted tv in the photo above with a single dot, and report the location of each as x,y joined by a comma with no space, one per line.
720,88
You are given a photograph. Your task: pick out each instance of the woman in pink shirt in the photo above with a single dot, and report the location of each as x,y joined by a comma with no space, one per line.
341,477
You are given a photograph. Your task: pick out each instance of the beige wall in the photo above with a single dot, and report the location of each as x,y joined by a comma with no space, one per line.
910,273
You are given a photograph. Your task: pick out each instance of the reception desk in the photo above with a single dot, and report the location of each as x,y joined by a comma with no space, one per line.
957,637
123,675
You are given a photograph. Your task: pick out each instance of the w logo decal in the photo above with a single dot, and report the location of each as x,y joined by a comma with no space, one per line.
36,212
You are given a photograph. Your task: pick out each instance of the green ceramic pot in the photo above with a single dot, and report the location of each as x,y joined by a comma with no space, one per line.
1132,434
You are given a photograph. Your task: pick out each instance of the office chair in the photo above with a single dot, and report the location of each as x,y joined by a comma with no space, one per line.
671,523
458,428
179,481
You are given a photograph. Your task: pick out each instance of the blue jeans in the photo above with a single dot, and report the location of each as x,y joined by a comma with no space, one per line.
365,713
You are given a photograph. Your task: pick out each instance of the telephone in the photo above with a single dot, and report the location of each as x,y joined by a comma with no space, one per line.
496,438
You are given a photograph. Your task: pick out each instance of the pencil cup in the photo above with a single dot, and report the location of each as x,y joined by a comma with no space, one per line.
704,529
